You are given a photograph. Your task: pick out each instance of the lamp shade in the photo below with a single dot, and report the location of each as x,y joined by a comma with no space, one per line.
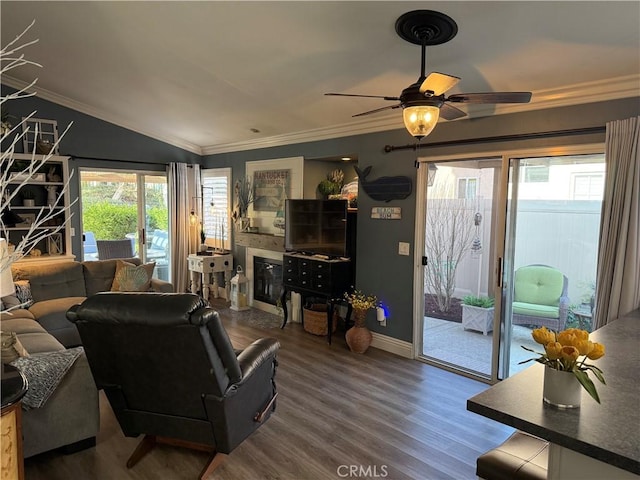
6,280
420,120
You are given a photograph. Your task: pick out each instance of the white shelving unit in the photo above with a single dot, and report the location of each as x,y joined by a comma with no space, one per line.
51,251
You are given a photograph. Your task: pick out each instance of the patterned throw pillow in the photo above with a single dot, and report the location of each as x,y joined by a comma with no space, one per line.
23,293
132,278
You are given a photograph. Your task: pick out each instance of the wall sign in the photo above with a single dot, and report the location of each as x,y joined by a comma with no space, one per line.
268,185
386,213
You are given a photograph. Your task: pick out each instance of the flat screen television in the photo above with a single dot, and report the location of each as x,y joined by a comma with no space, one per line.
316,227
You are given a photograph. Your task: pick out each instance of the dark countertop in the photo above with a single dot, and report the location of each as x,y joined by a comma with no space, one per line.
608,432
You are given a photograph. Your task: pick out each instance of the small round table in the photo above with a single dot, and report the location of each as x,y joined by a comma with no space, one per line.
13,387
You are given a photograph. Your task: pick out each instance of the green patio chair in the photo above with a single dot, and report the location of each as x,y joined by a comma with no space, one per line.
540,297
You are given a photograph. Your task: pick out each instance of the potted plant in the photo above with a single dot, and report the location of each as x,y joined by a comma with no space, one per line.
332,185
359,336
477,313
28,197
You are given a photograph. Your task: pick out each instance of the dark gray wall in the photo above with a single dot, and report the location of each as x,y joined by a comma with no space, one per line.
94,138
380,270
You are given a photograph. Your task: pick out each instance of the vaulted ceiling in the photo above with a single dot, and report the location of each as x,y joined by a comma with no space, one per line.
221,76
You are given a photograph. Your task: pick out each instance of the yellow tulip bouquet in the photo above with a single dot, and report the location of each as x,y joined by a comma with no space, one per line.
562,351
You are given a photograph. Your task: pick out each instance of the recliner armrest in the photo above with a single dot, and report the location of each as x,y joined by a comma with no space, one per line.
255,355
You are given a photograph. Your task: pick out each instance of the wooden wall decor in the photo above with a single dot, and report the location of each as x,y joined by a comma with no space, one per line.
385,188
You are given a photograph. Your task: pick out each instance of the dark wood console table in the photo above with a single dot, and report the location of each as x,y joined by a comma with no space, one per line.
313,276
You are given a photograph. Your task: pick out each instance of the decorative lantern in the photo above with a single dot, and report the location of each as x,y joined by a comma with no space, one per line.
239,291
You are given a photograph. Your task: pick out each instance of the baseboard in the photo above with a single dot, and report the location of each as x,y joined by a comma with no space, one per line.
392,345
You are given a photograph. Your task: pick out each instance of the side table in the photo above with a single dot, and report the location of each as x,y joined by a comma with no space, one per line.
13,388
204,267
584,318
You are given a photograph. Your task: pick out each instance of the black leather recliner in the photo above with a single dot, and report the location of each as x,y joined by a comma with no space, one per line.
170,372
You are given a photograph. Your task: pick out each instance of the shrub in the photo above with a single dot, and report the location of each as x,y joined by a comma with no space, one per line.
108,221
473,301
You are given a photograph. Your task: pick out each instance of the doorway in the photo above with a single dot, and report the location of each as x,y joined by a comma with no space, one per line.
481,219
126,206
459,252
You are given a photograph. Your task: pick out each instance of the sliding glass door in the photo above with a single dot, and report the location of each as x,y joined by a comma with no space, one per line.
459,253
510,244
551,248
125,214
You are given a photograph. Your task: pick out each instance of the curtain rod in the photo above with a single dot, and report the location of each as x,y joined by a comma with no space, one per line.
499,138
83,157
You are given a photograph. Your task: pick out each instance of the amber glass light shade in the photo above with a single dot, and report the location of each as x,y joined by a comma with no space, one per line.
420,120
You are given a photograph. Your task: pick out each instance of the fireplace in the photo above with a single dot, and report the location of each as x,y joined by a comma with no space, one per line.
260,287
267,280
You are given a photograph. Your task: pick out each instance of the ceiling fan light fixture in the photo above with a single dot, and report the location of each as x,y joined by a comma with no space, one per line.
420,120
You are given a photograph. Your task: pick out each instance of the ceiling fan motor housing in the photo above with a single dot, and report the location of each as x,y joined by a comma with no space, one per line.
411,97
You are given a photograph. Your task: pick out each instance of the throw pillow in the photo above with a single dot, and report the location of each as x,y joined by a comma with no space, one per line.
11,347
23,293
132,278
10,302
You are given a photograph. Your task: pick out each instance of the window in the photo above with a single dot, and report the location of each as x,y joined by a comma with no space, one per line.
216,201
588,186
467,187
535,174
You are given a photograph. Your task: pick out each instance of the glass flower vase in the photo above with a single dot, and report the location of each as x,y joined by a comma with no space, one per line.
561,389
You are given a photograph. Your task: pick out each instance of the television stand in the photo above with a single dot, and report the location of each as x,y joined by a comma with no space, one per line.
316,277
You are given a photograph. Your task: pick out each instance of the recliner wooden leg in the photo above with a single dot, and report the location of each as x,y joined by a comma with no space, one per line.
144,447
215,462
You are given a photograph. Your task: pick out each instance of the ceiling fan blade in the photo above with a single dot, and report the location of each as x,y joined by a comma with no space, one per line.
438,83
390,107
365,96
449,112
491,97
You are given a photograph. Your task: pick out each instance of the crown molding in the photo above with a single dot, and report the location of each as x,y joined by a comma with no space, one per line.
580,93
97,113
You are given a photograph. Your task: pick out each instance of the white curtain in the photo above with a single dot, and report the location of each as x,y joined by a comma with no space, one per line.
184,237
618,277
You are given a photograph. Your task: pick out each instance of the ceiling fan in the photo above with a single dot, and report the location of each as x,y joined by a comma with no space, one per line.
424,101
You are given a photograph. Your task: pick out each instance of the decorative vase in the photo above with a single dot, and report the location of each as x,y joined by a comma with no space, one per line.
561,389
359,336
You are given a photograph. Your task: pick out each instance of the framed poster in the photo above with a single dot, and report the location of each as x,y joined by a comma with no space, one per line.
267,177
268,189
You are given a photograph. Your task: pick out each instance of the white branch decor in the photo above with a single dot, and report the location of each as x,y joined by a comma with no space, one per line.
10,58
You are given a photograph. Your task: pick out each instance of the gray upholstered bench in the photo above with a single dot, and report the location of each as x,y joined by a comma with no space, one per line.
520,457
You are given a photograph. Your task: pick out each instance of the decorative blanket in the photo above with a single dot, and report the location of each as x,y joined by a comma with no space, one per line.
44,372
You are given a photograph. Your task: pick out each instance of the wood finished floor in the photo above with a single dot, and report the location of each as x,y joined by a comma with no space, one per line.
378,412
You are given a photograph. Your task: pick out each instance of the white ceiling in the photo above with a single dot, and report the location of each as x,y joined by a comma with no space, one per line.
201,75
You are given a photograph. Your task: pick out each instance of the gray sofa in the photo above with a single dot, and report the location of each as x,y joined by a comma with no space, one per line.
56,286
70,418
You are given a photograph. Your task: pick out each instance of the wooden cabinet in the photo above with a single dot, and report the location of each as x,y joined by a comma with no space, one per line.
311,276
37,197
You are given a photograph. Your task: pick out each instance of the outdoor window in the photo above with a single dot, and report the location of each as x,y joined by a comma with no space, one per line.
535,174
467,187
588,186
216,201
